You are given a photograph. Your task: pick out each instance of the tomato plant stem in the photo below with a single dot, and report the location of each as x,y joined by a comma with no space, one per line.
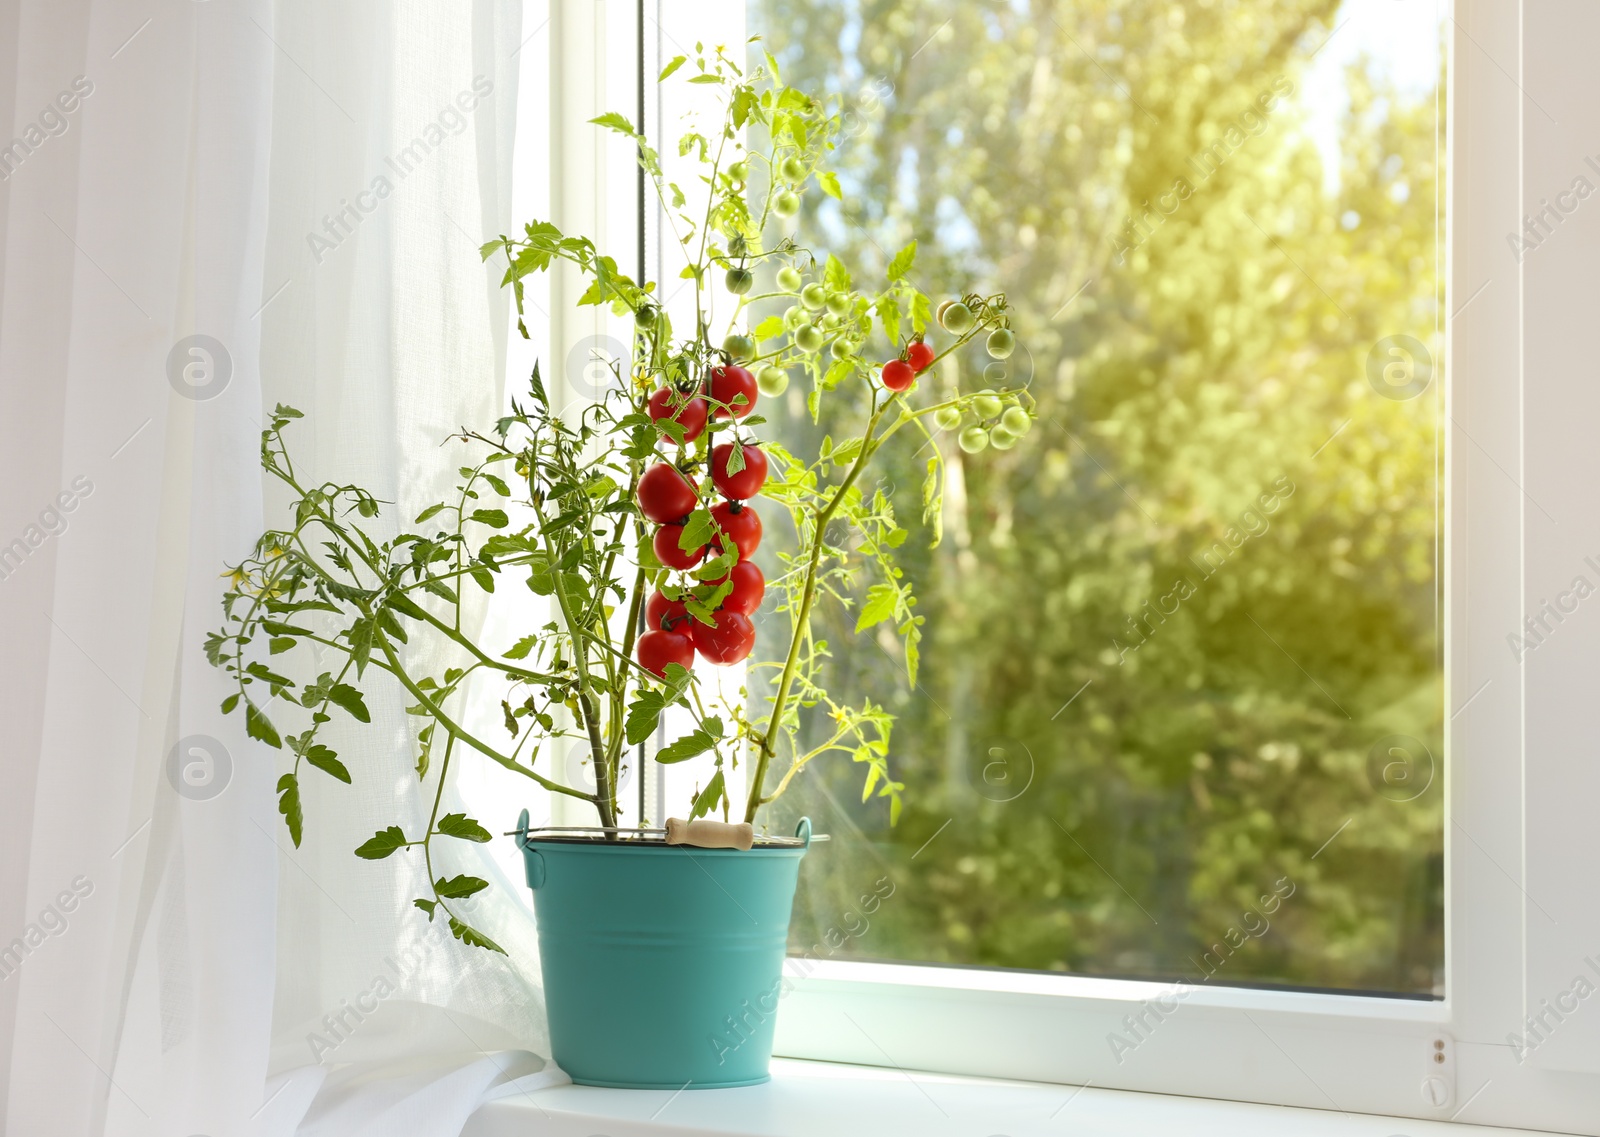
803,617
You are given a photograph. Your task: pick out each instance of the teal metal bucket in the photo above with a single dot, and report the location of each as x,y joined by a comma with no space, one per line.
663,964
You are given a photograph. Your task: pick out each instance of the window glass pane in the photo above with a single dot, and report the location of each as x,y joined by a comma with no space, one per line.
1180,706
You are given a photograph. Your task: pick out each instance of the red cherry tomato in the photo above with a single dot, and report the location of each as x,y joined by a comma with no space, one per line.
728,642
740,523
919,355
897,375
749,586
657,649
690,414
663,614
727,383
665,494
748,481
665,543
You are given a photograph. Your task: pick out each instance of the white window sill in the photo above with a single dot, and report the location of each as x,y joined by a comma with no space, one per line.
838,1101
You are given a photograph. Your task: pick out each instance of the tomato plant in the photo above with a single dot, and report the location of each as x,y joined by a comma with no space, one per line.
629,519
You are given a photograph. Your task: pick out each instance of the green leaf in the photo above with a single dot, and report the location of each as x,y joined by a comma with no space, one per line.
361,636
912,631
536,385
744,101
327,761
673,64
439,588
382,843
280,644
403,604
829,181
427,906
345,696
835,275
616,122
933,504
289,806
847,452
462,826
697,530
708,797
229,703
643,715
424,746
431,511
521,648
901,262
494,518
258,726
686,747
472,937
459,886
889,312
882,599
498,483
921,313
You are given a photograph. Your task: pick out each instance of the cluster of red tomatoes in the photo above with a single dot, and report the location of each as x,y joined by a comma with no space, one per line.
667,497
898,374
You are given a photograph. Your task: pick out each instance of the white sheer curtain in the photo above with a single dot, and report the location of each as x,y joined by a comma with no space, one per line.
304,185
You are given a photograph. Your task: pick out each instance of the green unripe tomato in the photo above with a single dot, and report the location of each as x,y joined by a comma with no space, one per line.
987,404
772,381
739,348
813,296
829,321
807,338
842,348
1002,439
994,373
786,204
957,319
739,171
739,280
794,317
789,279
647,315
948,418
840,303
1017,421
974,439
1001,343
792,169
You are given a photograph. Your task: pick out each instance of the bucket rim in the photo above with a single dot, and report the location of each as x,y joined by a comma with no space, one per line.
648,840
659,845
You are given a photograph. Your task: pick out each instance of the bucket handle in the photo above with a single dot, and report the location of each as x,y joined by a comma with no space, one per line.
803,831
532,861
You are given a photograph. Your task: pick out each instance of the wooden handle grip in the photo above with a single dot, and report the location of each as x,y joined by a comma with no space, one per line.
707,834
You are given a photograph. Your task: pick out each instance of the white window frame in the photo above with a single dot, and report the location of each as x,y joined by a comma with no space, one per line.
1521,105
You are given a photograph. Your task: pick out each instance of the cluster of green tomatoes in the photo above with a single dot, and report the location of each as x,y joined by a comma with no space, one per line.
997,419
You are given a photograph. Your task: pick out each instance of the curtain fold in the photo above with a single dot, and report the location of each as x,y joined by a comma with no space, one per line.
207,209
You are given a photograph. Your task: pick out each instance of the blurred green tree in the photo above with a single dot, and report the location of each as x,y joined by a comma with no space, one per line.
1171,637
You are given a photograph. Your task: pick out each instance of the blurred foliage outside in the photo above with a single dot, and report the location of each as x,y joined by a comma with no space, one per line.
1166,632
